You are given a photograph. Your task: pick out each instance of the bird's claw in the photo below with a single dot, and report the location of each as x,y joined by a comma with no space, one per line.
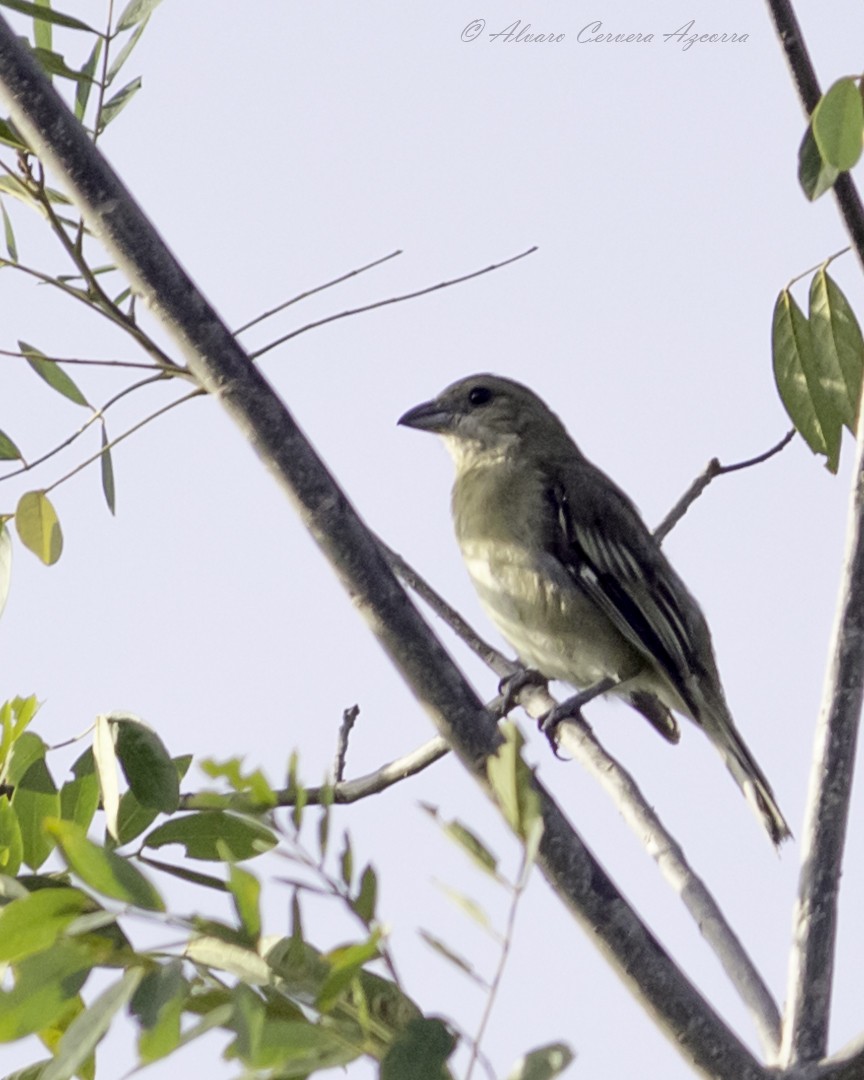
510,687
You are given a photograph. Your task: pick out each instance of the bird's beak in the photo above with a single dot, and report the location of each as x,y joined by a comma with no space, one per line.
430,416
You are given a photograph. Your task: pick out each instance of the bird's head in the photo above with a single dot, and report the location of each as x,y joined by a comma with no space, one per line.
486,416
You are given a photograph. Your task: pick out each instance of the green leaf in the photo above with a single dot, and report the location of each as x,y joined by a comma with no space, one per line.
107,472
89,1028
253,783
79,797
118,102
27,747
38,526
544,1063
132,817
367,896
815,175
85,84
158,1006
34,799
146,764
44,986
237,960
41,28
53,374
11,847
420,1052
345,963
123,55
452,957
797,379
52,63
8,450
33,923
346,862
470,843
838,124
26,7
106,769
201,832
246,893
5,569
194,877
134,12
11,246
513,784
103,870
838,345
9,135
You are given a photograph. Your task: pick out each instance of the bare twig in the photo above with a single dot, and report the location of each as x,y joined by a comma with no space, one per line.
712,470
349,718
125,364
311,292
390,300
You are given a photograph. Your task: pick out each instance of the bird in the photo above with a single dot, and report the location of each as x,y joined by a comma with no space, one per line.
572,576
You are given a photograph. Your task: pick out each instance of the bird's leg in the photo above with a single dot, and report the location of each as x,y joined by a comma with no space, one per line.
572,709
510,688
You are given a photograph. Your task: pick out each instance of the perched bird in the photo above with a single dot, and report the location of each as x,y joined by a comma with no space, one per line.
570,573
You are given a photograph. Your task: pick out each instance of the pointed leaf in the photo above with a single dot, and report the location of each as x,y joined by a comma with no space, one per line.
246,893
26,7
8,450
146,764
107,472
513,784
9,235
367,895
106,769
41,28
794,373
89,1028
103,870
10,137
53,374
123,55
52,63
38,526
79,797
158,1006
470,843
118,102
134,12
452,957
838,124
34,800
201,833
85,85
838,344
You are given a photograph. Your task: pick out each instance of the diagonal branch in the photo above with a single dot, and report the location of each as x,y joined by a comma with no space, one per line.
811,967
224,369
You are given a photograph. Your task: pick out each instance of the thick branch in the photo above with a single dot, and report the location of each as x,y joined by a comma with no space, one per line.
223,368
811,968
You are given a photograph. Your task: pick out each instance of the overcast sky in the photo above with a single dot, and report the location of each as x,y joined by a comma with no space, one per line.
278,145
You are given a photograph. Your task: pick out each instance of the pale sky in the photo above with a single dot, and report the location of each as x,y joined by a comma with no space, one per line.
278,145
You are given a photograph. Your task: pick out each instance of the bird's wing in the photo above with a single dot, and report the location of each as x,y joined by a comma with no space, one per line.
636,590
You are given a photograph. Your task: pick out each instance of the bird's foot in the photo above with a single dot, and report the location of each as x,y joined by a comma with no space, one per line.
510,688
571,709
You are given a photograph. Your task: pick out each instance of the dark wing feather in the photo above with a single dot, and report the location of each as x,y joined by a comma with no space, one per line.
636,589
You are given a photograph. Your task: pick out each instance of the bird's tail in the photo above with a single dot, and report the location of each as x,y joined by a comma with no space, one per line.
749,777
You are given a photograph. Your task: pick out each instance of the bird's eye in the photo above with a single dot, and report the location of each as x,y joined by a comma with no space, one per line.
479,395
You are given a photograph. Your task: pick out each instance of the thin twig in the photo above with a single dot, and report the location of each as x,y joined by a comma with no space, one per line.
131,364
510,928
390,300
349,718
97,414
130,431
712,470
311,292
